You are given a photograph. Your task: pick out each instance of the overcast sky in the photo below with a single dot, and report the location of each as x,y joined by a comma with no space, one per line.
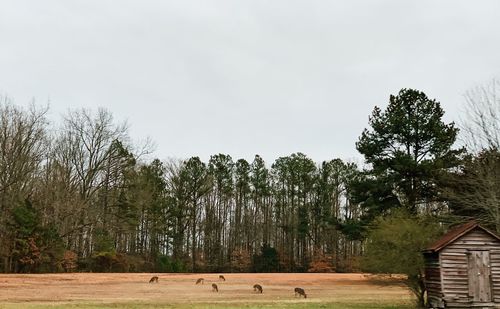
245,77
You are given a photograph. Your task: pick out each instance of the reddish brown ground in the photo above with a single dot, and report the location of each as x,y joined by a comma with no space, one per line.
181,288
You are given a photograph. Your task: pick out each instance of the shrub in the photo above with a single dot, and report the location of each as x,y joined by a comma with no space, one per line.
166,264
394,247
69,261
267,261
109,262
321,263
240,261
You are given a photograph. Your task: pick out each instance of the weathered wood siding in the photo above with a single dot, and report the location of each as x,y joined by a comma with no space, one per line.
495,275
454,267
433,278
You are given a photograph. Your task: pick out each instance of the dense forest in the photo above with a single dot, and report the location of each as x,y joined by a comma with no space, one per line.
79,196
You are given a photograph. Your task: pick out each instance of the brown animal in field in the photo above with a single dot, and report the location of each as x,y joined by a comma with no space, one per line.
200,280
215,288
299,291
153,279
257,288
221,277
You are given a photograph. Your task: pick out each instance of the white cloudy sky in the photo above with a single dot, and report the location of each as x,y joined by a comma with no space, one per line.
245,77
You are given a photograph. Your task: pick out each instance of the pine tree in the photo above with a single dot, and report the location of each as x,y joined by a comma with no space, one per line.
407,148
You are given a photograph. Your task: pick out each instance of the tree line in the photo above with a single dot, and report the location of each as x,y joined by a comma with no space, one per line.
79,196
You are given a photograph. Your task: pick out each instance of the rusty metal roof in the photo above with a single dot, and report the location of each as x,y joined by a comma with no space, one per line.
456,233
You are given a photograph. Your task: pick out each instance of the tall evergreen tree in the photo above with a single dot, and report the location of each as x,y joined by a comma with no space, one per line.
220,169
261,191
242,202
407,148
194,175
294,177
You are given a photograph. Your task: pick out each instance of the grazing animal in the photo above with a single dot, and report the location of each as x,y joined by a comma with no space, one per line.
300,291
257,288
221,277
200,280
215,288
153,279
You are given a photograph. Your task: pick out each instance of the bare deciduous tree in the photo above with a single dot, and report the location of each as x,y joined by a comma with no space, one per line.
22,148
86,145
473,190
481,127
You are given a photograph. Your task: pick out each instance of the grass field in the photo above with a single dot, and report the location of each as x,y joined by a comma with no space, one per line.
93,291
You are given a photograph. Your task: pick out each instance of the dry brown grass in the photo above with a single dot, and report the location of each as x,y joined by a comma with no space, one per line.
181,289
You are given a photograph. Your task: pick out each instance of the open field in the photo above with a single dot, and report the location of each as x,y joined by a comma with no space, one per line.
129,290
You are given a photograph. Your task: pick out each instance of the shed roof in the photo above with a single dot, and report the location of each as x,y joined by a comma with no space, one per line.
456,233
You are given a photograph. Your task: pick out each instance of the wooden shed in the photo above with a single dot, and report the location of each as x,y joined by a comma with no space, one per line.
462,269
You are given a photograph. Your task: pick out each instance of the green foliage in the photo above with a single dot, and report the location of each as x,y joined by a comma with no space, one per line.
352,229
25,219
332,184
407,147
303,222
267,261
395,245
196,183
332,220
103,242
105,258
259,177
220,167
294,178
242,201
220,171
194,174
242,176
36,248
153,204
166,264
